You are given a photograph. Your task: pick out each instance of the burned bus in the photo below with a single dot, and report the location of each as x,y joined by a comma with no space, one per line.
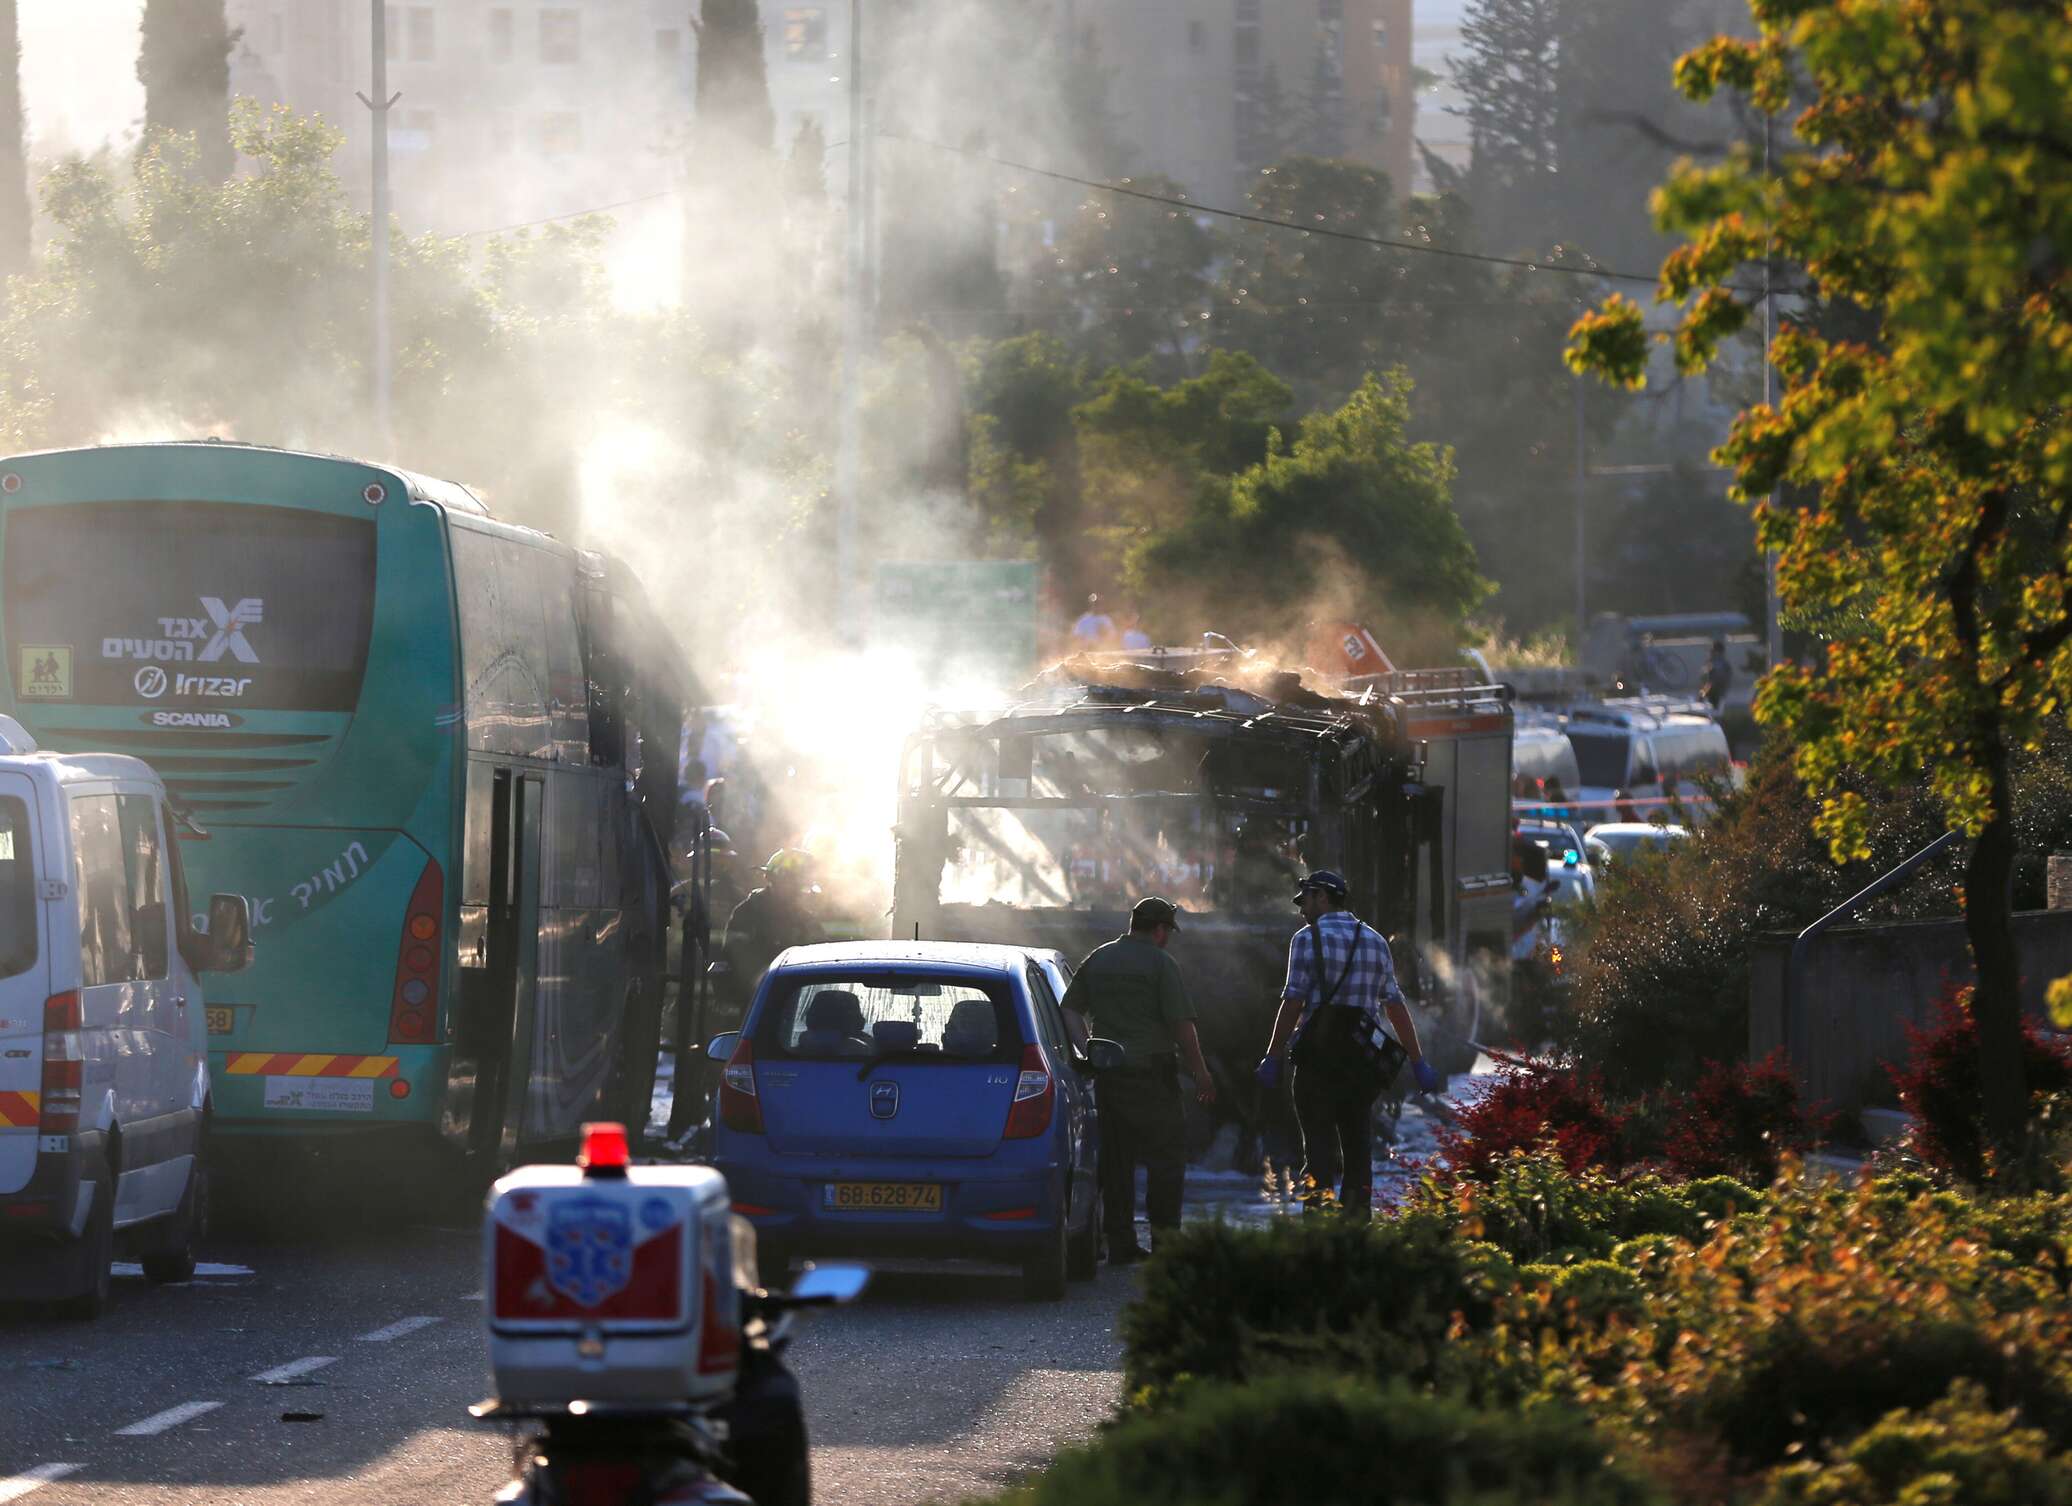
1217,784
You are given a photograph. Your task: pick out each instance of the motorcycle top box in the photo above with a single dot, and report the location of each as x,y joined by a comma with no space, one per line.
613,1283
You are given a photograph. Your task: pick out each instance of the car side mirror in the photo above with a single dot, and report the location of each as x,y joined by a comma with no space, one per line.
721,1047
230,933
1105,1056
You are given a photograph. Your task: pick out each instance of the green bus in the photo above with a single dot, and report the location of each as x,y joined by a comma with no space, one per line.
411,735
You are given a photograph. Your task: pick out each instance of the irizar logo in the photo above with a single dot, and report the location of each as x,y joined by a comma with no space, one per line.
210,719
219,631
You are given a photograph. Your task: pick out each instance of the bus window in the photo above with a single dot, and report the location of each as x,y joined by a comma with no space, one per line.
229,606
503,662
568,703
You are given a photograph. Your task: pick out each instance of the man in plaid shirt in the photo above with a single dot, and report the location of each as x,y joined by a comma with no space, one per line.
1334,1095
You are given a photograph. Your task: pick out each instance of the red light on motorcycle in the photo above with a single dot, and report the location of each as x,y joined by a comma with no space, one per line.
604,1147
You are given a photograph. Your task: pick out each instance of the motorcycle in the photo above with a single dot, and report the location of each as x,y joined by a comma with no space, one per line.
636,1354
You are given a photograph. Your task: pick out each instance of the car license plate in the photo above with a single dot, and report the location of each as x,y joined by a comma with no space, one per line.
884,1197
222,1019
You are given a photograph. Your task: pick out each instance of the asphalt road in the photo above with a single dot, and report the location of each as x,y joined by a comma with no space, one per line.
331,1356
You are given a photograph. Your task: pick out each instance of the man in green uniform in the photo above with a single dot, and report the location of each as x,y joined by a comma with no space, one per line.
1130,990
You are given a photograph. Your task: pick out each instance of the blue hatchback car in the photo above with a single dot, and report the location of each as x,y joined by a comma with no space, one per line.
913,1099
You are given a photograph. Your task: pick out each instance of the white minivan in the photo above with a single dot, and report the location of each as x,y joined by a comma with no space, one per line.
104,1079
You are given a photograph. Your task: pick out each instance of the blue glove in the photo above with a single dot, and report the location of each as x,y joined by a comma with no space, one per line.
1268,1072
1426,1074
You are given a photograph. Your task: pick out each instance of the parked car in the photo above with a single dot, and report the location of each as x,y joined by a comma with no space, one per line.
104,1080
1615,842
917,1099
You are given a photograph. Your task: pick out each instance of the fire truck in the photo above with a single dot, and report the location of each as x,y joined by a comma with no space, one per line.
1216,780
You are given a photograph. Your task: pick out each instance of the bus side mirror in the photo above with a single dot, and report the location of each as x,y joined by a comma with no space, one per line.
230,933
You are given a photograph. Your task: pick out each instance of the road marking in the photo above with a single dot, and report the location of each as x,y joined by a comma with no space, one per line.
474,1297
171,1417
203,1271
280,1375
396,1330
14,1487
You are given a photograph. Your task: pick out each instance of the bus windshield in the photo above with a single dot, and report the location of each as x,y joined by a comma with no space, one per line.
157,604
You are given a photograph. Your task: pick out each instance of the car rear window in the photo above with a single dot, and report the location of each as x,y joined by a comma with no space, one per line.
17,890
853,1017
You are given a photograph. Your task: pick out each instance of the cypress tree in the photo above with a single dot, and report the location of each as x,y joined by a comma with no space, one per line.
14,148
184,65
733,87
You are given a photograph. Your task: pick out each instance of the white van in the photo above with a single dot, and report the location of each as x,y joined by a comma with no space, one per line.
104,1079
1647,751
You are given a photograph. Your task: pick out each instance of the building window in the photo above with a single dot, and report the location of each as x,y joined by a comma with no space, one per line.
1197,37
805,33
561,36
423,35
1331,12
1381,36
1245,46
561,133
503,36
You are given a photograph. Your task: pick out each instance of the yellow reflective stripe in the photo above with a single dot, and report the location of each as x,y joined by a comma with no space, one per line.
245,1063
311,1066
372,1066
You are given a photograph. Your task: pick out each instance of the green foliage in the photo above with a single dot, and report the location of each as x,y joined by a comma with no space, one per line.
1958,1449
1319,1440
14,147
1917,185
1350,522
1135,275
1217,1304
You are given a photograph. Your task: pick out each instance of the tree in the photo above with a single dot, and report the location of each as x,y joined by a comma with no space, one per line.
1930,183
1311,307
183,62
733,108
1349,522
14,148
1134,276
1506,73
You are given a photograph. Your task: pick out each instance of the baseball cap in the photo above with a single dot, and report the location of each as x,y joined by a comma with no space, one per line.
1153,911
1324,879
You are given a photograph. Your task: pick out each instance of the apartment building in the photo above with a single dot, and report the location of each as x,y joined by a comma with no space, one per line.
1210,91
517,110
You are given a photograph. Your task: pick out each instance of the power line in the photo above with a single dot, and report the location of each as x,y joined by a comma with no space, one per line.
573,214
1167,200
1261,219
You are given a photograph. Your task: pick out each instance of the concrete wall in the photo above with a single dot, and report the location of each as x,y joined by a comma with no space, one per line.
1862,985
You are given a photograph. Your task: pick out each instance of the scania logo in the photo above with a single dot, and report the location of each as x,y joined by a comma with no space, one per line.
884,1099
221,720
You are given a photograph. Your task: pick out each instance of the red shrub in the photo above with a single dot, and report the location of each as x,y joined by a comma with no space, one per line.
1739,1121
1527,1105
1939,1085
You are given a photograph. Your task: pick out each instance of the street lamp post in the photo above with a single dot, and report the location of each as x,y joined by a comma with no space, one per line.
849,439
378,11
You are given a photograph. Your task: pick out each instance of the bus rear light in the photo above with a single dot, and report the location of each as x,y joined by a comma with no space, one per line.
399,1088
63,1080
1035,1093
414,1001
739,1108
